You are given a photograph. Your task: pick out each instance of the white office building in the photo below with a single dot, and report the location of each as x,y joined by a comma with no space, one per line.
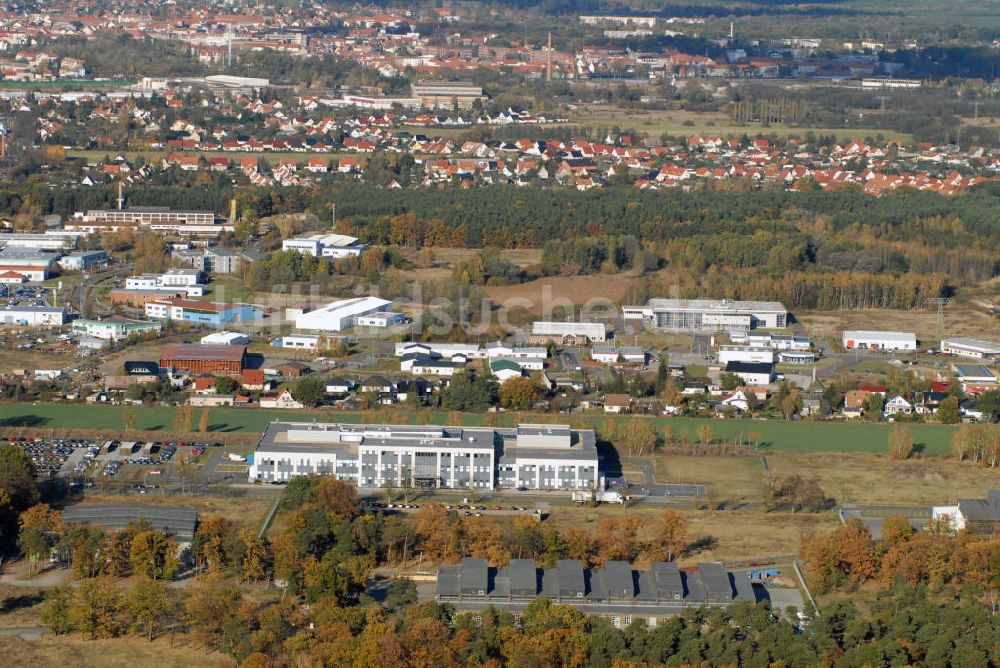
339,315
550,457
172,280
595,332
745,354
973,348
872,340
708,314
325,245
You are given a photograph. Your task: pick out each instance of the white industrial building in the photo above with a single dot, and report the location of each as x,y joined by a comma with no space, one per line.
549,457
618,355
708,314
299,342
225,339
745,354
773,341
83,260
974,348
114,329
594,332
32,316
188,280
339,315
383,319
872,340
325,245
446,350
36,241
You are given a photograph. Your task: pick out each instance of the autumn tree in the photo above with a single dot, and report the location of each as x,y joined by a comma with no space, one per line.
18,488
153,555
210,603
40,526
948,412
671,537
518,393
900,442
56,611
336,495
95,610
148,607
618,539
639,437
183,419
705,434
253,564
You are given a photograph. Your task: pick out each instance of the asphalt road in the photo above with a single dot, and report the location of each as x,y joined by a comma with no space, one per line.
650,487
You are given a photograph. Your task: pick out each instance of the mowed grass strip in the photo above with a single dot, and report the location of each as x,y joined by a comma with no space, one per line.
770,435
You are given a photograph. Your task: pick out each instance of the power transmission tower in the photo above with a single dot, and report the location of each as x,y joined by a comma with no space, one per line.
940,302
882,98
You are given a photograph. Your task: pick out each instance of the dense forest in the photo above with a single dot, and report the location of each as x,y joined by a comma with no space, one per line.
812,249
918,605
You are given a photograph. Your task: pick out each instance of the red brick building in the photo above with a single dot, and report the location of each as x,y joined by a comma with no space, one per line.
217,360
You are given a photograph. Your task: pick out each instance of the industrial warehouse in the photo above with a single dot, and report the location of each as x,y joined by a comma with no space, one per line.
617,590
708,314
549,457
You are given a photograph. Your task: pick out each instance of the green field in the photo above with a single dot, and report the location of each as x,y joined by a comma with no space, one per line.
685,124
776,435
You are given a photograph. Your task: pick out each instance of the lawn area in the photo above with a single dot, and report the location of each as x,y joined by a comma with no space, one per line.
228,290
732,480
20,607
686,123
127,652
772,435
872,479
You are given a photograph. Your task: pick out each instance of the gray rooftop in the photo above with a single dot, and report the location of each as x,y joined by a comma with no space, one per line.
661,589
175,520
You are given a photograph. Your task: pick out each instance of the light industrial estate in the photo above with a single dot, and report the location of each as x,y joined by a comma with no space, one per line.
552,457
708,314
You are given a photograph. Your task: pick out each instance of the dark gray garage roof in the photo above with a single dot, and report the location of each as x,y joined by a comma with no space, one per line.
178,521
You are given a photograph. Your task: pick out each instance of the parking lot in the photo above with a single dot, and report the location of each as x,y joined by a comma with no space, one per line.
81,458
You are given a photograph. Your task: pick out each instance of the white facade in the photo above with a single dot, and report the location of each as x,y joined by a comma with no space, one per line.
526,363
596,332
340,315
385,319
300,341
952,513
873,340
187,280
226,339
325,245
446,350
973,348
32,315
745,354
708,314
551,457
615,355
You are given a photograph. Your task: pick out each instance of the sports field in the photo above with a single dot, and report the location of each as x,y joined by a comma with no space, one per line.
770,435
